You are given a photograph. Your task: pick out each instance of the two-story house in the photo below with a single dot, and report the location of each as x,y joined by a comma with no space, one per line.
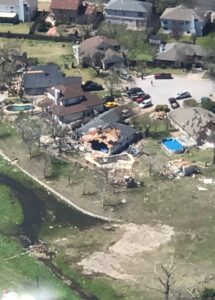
185,20
66,11
132,13
99,51
72,104
23,10
36,79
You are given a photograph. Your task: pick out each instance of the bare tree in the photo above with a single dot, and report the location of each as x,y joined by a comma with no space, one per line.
177,31
111,82
30,130
57,130
47,168
165,278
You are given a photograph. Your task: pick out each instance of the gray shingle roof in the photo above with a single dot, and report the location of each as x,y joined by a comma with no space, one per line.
46,76
192,120
175,51
182,13
110,116
129,5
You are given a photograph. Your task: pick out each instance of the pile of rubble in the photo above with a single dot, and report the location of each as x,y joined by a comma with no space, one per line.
108,136
42,252
179,167
158,115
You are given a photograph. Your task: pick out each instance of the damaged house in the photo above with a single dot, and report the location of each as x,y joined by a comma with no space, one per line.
106,134
72,104
196,124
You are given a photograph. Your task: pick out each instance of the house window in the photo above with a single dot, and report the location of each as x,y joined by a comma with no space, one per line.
173,22
11,7
140,14
187,22
182,23
123,13
165,22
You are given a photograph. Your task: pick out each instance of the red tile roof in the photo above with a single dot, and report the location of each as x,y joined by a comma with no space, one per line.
65,4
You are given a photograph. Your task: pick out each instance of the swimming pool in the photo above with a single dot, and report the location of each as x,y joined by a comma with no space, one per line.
19,107
173,146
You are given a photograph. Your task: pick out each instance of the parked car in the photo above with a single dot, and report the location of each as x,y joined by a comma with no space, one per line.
163,76
134,91
110,104
183,95
146,103
126,77
108,99
142,98
136,96
174,103
89,86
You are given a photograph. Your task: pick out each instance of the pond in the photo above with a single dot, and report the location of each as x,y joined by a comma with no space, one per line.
41,210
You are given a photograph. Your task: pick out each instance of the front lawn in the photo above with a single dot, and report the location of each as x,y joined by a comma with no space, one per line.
16,28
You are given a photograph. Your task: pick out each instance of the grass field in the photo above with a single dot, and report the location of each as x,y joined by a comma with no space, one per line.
45,52
14,263
178,203
16,28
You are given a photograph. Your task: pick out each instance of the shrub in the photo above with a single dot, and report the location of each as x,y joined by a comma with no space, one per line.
158,107
208,104
208,294
162,108
190,103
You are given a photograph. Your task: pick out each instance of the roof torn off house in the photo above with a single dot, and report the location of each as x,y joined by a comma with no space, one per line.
107,135
102,139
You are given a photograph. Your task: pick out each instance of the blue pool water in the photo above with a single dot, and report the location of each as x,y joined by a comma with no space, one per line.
173,145
20,107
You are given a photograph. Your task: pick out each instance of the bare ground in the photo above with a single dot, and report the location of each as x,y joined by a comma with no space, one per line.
134,240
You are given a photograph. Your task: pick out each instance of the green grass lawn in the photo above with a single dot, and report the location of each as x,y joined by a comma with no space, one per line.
206,41
14,263
16,28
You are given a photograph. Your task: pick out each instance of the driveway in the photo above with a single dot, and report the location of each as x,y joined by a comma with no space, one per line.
163,89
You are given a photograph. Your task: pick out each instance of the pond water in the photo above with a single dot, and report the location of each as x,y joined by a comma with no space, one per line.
41,209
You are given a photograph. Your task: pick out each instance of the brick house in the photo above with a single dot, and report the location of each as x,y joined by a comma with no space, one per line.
72,104
66,11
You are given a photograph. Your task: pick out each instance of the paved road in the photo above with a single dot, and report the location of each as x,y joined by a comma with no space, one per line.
162,90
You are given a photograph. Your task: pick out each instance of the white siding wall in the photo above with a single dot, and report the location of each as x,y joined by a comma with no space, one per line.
19,9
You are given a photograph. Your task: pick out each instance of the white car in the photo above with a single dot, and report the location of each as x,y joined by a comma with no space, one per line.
146,103
182,95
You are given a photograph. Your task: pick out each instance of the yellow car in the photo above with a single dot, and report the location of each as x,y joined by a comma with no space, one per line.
111,104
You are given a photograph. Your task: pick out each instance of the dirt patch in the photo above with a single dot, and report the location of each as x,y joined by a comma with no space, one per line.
134,241
141,238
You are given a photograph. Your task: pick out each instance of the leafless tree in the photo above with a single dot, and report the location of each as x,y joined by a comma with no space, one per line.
177,31
30,130
165,278
57,130
111,82
47,168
